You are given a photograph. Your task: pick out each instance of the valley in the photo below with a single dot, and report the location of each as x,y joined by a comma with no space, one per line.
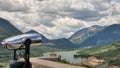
102,42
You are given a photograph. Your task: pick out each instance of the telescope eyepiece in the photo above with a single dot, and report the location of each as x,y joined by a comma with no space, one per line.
27,41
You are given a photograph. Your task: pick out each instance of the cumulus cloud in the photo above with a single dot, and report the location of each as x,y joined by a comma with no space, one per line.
59,18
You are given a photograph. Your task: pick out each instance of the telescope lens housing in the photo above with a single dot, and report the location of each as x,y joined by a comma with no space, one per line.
17,42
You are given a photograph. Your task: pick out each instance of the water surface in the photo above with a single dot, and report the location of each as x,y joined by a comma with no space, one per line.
67,55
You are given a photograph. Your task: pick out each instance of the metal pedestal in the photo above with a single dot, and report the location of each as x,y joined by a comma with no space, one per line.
22,64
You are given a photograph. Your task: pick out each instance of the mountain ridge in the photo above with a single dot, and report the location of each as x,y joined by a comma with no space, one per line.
44,39
7,29
58,43
81,35
108,35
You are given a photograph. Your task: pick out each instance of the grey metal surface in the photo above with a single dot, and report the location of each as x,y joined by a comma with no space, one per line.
16,42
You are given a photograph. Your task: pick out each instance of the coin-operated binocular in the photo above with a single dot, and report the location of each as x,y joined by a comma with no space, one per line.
20,42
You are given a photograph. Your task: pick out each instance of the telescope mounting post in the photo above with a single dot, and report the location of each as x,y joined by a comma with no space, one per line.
14,56
27,44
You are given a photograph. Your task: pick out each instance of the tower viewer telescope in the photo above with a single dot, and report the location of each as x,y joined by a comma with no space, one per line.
19,42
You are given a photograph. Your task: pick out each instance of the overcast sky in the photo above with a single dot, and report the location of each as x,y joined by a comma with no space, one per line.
59,18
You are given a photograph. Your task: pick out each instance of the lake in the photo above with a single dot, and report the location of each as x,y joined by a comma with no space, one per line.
68,55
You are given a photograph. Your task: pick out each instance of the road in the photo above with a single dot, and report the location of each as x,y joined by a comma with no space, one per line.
40,63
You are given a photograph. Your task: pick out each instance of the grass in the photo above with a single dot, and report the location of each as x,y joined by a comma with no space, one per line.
97,50
4,65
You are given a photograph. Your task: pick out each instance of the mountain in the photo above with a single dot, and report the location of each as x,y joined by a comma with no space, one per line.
108,35
62,43
85,33
44,39
56,43
7,29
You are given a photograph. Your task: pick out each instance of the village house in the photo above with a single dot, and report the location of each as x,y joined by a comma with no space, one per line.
94,62
113,67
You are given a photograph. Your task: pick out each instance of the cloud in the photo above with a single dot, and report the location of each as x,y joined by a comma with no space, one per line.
59,18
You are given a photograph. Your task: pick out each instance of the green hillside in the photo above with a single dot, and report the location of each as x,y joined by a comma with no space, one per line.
38,51
113,55
7,29
109,52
